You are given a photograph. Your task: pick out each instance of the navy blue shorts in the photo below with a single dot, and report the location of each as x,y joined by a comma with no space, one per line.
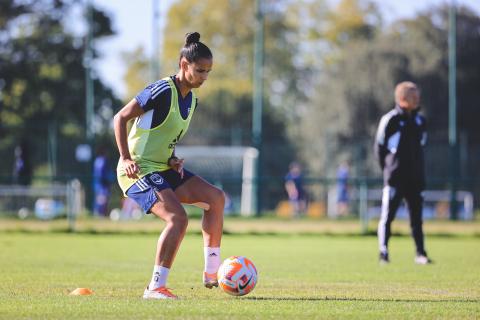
144,190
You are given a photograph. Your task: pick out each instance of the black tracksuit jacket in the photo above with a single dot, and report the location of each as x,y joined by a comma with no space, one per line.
399,148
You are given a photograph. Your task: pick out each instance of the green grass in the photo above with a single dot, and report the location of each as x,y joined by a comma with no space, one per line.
300,277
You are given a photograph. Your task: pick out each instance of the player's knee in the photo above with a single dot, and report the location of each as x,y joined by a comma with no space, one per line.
177,216
390,218
218,197
179,221
416,222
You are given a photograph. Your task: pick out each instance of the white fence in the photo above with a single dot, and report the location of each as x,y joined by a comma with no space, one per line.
43,202
436,203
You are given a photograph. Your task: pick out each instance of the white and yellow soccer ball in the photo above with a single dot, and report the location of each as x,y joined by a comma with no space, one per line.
237,276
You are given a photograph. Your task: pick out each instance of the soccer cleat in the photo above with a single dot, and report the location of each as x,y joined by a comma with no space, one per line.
159,293
210,280
422,259
383,258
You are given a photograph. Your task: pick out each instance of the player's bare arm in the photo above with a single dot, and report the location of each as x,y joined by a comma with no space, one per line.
129,111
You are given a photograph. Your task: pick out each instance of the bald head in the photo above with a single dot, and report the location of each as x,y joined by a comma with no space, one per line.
407,95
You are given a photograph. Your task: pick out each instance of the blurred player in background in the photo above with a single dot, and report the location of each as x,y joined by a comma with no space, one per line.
22,167
102,180
294,187
150,173
399,143
343,173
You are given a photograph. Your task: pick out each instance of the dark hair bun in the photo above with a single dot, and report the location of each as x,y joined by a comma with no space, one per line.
192,37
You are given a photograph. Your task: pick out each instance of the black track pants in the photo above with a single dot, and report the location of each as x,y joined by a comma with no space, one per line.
391,200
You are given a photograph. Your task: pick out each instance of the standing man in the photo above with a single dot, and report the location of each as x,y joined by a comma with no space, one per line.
399,143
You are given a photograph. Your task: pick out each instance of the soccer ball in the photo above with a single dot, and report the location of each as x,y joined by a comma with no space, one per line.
237,276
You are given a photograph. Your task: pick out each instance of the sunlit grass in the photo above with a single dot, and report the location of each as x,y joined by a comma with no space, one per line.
307,277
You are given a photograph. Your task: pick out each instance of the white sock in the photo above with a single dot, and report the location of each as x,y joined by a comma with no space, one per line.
212,259
159,277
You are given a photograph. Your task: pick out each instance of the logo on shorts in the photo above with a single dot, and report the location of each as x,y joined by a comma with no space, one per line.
156,178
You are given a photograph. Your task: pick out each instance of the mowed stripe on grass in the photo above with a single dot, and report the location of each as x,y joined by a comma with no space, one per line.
239,225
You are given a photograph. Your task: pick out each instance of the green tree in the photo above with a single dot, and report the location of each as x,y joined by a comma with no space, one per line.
225,112
228,28
137,75
351,20
357,88
42,79
334,34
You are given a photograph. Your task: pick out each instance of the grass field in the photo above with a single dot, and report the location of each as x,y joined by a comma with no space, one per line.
300,276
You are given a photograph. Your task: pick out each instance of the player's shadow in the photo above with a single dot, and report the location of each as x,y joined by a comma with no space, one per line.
360,299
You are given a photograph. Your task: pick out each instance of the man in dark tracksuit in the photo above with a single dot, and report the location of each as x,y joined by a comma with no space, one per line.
399,143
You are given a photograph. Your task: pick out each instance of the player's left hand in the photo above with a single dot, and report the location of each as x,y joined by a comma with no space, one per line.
177,165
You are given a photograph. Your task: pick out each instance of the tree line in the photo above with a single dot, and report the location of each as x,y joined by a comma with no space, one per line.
329,74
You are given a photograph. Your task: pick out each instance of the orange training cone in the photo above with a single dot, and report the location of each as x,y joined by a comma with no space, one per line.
81,292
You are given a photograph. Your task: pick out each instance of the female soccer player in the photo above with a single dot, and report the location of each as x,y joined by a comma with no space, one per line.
149,172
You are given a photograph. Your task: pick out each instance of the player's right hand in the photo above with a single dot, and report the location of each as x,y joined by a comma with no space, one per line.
131,168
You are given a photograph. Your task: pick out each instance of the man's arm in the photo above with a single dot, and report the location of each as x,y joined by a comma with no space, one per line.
380,149
423,140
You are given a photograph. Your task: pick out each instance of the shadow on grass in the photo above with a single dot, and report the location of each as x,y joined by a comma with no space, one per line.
361,299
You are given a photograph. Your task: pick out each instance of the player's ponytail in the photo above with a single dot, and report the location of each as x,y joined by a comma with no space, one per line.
193,49
191,37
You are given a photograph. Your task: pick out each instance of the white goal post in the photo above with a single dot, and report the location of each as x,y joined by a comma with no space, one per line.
224,164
